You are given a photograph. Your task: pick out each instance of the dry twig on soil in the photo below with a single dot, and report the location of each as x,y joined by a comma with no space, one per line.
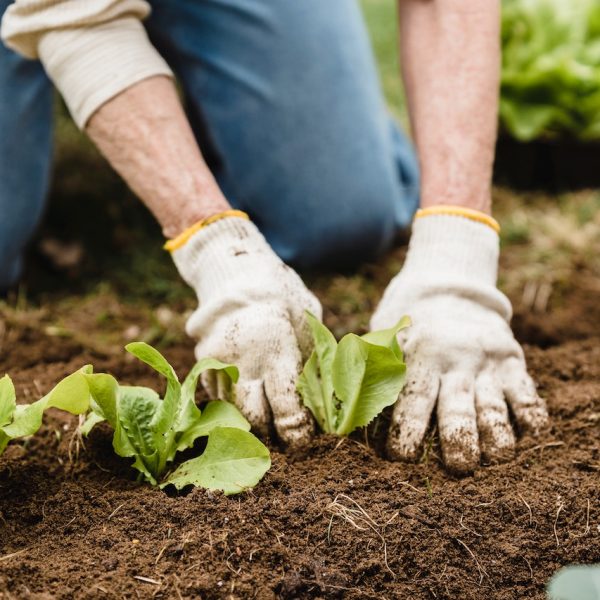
11,555
528,507
587,521
466,528
561,505
147,580
76,442
482,571
543,446
360,519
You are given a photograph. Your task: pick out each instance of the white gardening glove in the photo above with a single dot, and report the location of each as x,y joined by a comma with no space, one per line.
251,314
460,351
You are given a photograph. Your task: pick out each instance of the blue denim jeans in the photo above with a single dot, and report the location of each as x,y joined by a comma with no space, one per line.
285,102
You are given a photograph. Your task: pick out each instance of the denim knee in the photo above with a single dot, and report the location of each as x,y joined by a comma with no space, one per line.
358,228
25,155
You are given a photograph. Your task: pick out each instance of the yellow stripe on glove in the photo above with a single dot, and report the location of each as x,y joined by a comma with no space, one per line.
184,236
459,211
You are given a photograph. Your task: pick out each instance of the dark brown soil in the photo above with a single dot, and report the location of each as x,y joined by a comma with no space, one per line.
340,522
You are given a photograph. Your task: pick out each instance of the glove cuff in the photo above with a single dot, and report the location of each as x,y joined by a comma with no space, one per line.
459,211
452,247
221,253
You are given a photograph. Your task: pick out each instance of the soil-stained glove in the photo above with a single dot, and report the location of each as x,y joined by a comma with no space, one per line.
251,314
460,351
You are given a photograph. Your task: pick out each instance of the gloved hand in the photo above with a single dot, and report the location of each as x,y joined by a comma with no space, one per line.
460,351
251,314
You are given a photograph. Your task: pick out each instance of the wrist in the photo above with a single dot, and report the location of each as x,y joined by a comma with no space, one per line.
184,217
477,197
144,134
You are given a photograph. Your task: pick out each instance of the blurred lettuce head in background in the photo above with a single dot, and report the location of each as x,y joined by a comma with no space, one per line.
550,69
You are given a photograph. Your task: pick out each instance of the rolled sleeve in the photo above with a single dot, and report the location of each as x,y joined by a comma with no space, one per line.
91,65
91,49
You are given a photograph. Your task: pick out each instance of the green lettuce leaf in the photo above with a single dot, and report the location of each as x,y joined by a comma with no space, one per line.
170,406
550,68
141,439
103,390
71,395
91,420
388,338
150,429
8,404
234,461
215,414
347,385
366,379
310,388
189,414
8,400
315,383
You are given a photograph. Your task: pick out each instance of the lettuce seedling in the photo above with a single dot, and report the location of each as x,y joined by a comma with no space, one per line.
347,385
21,420
152,430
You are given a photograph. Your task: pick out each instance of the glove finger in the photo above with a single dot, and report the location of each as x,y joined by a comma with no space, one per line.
209,383
292,421
457,423
496,437
249,397
529,409
412,415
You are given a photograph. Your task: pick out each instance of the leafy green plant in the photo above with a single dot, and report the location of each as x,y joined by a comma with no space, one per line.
21,420
550,68
152,430
347,385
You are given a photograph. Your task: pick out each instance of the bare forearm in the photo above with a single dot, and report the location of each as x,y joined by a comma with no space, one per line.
450,60
144,134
